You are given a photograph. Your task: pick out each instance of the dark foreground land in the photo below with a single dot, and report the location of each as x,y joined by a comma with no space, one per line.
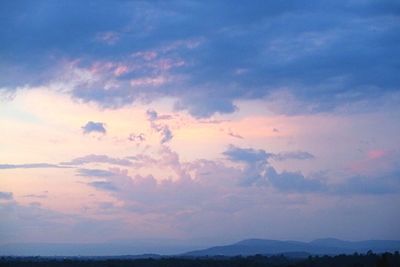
355,260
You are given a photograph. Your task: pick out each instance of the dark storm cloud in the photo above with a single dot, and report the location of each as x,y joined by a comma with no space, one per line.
325,53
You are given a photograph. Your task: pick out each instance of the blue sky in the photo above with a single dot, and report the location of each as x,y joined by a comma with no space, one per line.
199,120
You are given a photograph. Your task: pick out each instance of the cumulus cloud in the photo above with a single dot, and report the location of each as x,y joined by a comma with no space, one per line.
259,171
152,115
137,137
166,134
144,194
202,190
161,128
94,127
146,189
203,180
204,186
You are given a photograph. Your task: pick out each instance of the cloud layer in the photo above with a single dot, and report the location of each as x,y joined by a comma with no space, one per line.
325,54
199,120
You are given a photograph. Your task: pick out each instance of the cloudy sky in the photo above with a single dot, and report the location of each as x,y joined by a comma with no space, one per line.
199,121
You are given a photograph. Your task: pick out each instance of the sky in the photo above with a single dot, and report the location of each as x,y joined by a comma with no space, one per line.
199,122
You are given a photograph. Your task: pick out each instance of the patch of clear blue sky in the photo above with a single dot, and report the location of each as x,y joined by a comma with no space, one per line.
10,111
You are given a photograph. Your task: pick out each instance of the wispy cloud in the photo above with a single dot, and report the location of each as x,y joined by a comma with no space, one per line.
30,166
41,196
93,158
94,173
299,155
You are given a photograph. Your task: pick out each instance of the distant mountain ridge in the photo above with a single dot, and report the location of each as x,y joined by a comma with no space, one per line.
328,246
247,247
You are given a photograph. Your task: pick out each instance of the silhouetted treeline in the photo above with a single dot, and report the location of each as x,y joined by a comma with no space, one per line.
356,260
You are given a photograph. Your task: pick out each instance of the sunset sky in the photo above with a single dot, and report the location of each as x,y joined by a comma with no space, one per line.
205,122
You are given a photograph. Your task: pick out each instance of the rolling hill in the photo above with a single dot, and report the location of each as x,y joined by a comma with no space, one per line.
327,246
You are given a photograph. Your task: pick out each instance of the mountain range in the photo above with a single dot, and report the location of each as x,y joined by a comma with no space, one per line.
328,246
140,249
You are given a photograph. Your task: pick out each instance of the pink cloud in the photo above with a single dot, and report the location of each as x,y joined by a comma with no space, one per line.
120,70
376,154
375,161
101,66
186,44
109,38
149,81
166,64
146,55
